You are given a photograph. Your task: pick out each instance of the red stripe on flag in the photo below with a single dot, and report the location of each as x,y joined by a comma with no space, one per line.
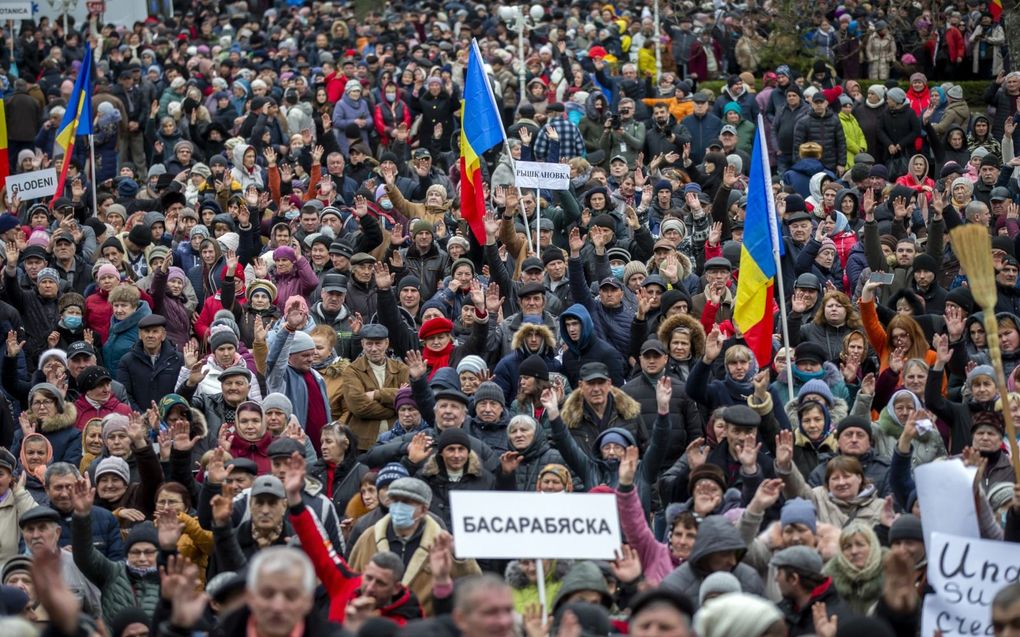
64,163
472,200
759,336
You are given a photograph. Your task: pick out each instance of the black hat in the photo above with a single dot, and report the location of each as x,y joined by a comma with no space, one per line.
140,236
334,283
152,320
409,281
92,377
243,464
961,296
532,263
340,248
38,252
741,416
7,460
797,216
530,288
374,332
854,422
949,168
39,514
452,394
611,281
78,348
594,371
551,254
925,261
604,221
808,281
906,527
810,352
285,447
794,203
655,279
990,160
534,366
453,436
653,345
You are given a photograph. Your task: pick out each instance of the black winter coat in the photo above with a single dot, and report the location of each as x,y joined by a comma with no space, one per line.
901,127
826,130
144,381
685,422
346,480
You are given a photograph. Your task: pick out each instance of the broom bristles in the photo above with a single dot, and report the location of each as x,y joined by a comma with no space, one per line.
973,247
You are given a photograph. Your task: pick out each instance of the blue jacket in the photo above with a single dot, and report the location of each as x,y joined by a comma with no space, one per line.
123,335
800,174
704,131
588,349
284,379
611,324
105,533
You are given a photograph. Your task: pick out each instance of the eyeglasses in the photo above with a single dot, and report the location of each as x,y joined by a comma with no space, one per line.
43,402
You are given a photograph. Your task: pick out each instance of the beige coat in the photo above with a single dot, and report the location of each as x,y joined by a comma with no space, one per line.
418,574
366,415
866,507
11,510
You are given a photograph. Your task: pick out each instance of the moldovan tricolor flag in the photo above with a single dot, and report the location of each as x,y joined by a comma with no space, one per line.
78,116
755,306
5,161
480,130
995,9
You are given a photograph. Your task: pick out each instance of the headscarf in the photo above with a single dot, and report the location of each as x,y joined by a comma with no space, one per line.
40,471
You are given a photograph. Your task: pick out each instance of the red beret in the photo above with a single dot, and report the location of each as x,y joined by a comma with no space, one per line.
437,325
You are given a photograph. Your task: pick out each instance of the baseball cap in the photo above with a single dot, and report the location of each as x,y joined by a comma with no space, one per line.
268,485
78,348
594,371
728,128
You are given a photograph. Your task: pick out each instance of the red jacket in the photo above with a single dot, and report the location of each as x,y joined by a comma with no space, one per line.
98,312
955,45
87,412
341,583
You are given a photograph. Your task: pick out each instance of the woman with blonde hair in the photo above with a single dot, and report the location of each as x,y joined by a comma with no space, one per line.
856,569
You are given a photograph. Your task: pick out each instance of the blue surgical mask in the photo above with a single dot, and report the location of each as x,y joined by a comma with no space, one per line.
291,215
72,321
402,515
617,271
386,204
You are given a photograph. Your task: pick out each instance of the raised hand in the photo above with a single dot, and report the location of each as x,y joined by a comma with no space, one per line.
82,496
628,466
169,529
416,366
181,437
868,384
222,508
768,493
627,565
509,461
360,206
663,394
575,242
491,226
825,624
259,329
294,478
186,601
550,403
956,322
14,346
747,454
441,558
493,301
697,453
784,450
383,276
942,352
713,344
419,448
216,470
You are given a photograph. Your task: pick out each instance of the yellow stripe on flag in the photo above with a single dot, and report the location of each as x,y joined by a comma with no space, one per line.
3,126
752,293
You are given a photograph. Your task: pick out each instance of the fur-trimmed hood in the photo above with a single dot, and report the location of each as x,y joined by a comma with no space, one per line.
199,426
61,420
838,410
526,330
684,320
334,369
517,580
573,408
473,468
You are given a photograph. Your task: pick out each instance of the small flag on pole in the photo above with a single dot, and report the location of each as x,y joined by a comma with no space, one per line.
78,116
480,130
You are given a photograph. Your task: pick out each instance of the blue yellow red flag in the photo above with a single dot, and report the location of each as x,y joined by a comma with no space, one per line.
755,305
480,130
78,116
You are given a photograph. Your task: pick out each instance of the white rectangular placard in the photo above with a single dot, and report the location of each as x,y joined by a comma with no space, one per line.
965,574
15,11
945,491
33,185
510,525
537,174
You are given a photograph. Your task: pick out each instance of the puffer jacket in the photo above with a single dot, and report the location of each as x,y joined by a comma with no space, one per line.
121,588
855,140
826,130
715,535
300,281
60,430
536,455
826,336
685,418
611,324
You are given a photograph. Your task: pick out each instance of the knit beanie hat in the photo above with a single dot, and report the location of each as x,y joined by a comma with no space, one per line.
222,336
718,583
278,401
412,488
962,181
799,511
301,342
144,532
116,466
818,387
285,252
851,422
534,366
489,391
404,398
113,423
827,244
455,436
176,273
632,268
906,527
107,269
474,364
389,474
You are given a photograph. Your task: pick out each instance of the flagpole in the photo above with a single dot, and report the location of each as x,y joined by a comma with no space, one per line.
92,157
774,231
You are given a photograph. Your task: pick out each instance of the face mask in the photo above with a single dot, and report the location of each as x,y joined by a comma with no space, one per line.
402,515
72,322
291,215
617,271
386,204
391,97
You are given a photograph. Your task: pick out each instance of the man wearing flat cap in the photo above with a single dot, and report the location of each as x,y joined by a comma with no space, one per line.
369,400
219,409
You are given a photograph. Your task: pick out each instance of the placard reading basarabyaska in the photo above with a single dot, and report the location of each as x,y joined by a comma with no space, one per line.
536,174
966,573
508,525
33,185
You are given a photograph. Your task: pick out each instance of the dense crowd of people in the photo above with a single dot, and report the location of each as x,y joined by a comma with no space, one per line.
254,347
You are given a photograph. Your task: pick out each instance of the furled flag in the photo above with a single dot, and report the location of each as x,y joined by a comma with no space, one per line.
755,306
5,161
480,130
78,116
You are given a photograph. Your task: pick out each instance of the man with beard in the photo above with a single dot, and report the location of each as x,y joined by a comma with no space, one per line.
666,136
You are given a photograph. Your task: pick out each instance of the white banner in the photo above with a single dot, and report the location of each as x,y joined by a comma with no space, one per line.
965,574
16,11
512,525
945,491
536,174
33,185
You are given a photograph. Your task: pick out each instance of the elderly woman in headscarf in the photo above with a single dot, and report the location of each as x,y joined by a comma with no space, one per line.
36,454
352,113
